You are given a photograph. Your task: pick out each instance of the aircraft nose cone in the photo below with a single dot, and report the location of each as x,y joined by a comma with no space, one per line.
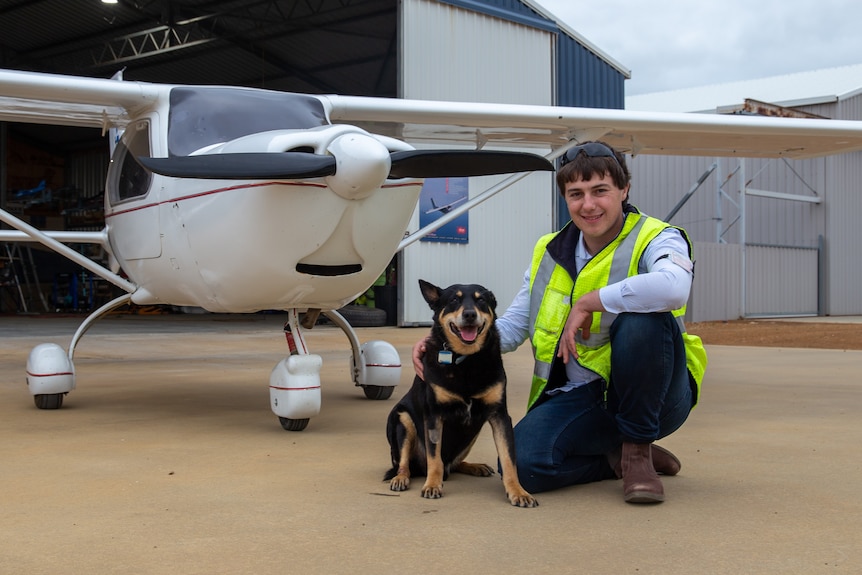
362,165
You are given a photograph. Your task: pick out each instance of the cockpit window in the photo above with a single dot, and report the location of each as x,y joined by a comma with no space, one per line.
127,179
203,116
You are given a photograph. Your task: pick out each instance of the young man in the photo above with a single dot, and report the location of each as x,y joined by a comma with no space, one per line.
602,304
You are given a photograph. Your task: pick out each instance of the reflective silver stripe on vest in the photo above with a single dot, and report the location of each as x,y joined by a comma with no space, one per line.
680,322
619,271
540,284
541,369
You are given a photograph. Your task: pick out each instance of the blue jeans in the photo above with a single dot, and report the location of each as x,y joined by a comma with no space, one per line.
564,440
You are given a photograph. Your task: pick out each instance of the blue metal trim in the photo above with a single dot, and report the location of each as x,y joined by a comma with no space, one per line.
482,8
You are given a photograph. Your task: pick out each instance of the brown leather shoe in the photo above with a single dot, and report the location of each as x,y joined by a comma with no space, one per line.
640,480
663,461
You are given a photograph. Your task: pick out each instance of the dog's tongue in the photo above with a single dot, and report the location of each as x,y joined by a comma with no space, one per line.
468,333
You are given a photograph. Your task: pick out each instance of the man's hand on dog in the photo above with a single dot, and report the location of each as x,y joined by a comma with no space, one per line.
418,354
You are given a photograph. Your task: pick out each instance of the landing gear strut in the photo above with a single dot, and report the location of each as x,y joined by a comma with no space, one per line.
294,384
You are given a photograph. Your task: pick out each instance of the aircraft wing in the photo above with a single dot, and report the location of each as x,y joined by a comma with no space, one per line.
38,98
683,134
79,101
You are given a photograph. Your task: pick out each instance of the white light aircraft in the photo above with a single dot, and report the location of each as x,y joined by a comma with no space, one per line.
238,199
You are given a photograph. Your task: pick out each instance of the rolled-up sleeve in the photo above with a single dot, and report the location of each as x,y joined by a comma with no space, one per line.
664,285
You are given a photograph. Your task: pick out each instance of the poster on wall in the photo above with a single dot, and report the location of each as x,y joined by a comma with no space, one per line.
440,196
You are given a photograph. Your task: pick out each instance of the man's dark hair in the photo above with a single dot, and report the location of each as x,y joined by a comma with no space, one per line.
589,159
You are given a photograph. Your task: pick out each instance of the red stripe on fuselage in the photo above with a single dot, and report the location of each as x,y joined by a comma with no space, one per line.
231,189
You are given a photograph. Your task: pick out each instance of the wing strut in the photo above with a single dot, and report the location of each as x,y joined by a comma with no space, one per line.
68,252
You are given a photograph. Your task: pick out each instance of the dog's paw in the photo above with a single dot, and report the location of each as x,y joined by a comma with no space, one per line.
432,491
522,499
399,483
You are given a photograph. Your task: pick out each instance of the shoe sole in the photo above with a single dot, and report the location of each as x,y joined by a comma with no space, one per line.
644,497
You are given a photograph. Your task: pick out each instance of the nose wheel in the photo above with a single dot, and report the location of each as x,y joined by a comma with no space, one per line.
294,384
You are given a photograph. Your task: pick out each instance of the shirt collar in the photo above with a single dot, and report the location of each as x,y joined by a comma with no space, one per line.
582,256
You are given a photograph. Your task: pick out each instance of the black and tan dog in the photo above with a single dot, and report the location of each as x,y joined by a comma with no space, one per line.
433,427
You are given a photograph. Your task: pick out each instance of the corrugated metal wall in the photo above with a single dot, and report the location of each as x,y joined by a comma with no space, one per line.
721,291
449,53
86,171
455,54
778,272
777,281
716,293
660,182
844,205
584,79
780,281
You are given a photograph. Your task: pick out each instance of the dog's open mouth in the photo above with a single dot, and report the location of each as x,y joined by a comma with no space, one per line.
467,333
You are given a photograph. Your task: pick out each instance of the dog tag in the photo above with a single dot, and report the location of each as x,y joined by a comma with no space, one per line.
444,357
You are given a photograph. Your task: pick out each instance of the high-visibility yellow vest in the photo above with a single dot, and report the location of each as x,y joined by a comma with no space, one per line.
552,292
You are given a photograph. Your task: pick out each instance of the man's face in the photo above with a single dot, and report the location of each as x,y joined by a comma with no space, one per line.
596,208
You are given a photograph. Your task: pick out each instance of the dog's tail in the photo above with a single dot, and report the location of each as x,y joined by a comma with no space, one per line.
391,473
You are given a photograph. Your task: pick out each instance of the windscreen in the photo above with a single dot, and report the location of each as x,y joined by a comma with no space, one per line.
202,116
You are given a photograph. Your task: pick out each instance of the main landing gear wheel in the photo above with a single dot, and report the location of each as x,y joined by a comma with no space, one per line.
49,400
50,375
50,369
378,391
293,424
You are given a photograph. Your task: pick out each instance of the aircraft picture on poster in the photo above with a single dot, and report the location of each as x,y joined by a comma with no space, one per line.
439,196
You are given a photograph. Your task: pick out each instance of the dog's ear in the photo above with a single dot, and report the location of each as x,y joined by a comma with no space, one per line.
492,300
430,292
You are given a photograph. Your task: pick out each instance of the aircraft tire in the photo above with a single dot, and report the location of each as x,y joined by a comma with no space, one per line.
363,316
378,391
293,424
49,400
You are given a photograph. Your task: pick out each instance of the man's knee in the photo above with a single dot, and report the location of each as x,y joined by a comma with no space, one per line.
640,331
642,322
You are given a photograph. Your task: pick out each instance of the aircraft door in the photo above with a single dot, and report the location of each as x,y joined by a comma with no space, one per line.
132,211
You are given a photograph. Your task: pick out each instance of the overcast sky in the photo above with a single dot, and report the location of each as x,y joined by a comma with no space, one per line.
671,44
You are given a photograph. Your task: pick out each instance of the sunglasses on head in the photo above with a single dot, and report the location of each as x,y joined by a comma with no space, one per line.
593,150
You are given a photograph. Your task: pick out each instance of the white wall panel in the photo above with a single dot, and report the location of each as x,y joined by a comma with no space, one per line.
454,54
